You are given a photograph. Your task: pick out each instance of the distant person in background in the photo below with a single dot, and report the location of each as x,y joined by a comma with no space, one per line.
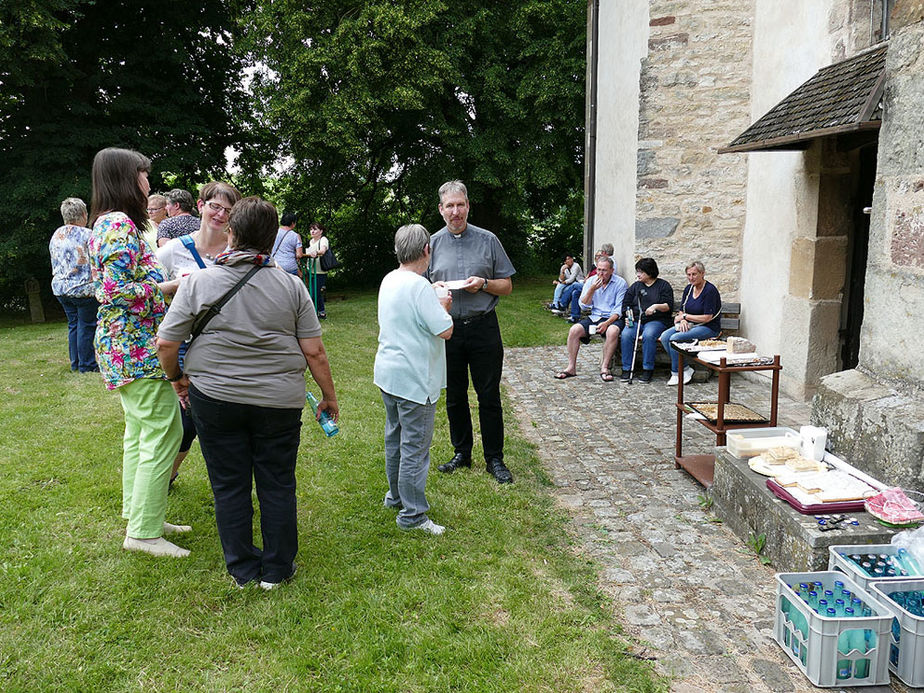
287,248
157,211
72,283
316,248
410,370
181,221
569,273
128,279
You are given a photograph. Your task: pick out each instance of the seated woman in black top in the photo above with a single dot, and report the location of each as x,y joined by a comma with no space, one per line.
651,301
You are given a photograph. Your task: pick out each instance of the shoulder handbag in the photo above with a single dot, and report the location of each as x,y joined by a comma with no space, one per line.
205,317
328,260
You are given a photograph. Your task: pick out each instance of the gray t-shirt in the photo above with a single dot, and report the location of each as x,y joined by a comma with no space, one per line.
475,252
285,248
248,353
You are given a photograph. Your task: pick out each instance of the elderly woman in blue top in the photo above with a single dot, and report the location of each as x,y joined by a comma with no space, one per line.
410,370
72,283
651,301
699,317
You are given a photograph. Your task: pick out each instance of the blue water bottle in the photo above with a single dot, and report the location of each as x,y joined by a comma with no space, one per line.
328,425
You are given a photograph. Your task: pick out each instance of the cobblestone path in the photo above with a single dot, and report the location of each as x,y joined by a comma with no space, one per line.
692,595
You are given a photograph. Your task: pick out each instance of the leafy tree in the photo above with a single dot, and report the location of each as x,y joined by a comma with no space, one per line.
80,75
375,103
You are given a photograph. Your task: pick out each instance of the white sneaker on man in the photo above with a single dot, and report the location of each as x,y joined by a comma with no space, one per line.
674,379
430,527
687,374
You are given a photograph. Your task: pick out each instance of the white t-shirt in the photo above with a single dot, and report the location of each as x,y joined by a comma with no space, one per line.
320,247
411,360
177,260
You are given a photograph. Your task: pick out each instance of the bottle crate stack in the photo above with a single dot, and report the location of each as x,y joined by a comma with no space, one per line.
836,632
906,637
873,563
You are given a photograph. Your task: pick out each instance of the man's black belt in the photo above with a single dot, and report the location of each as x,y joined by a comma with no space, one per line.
472,319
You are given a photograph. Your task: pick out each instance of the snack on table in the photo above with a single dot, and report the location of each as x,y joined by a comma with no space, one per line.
779,455
740,345
710,343
801,464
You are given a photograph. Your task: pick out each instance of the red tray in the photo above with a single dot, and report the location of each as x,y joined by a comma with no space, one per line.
817,509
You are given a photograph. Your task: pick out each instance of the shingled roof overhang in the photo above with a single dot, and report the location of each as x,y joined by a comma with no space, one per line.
840,98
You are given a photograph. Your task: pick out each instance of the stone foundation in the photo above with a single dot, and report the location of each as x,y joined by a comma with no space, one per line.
874,426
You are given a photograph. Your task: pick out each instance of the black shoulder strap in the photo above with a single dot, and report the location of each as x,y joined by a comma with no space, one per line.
215,308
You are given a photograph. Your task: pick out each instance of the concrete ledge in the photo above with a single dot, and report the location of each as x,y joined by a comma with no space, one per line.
794,544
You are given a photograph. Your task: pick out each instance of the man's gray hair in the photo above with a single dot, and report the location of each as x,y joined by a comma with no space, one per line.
607,259
607,248
698,265
410,241
182,198
73,210
453,186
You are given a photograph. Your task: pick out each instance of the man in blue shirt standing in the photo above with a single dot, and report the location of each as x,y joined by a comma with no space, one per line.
603,294
474,259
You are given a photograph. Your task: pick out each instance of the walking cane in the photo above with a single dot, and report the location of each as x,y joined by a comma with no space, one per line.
638,332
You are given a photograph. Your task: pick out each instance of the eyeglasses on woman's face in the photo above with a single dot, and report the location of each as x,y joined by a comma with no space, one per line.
218,207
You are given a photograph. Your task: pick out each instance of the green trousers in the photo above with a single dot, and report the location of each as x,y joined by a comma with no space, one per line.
153,431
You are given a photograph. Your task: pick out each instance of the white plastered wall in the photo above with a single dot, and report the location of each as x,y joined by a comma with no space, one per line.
623,32
791,42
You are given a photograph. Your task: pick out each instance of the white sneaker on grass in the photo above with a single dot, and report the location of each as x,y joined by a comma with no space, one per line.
430,527
264,585
176,529
687,374
155,547
674,379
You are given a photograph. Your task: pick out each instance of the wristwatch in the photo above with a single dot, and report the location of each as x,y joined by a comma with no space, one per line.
176,379
485,285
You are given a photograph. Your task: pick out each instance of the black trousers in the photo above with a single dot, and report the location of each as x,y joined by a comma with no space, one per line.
242,443
475,347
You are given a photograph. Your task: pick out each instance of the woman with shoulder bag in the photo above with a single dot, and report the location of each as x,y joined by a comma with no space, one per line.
318,245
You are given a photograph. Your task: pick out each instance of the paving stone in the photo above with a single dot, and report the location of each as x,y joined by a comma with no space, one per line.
684,584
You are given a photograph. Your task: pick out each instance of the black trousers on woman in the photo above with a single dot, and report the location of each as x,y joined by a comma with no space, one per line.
242,443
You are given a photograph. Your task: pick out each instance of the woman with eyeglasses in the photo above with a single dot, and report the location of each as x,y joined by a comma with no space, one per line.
132,305
186,254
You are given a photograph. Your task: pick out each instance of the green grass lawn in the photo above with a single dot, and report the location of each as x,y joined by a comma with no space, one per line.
499,603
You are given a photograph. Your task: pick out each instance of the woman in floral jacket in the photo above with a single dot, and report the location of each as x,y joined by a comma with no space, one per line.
129,287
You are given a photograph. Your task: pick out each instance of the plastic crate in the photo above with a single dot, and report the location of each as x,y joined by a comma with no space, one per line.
906,652
811,640
748,442
838,562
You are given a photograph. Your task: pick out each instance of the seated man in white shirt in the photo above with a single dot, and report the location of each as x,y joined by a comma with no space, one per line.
603,294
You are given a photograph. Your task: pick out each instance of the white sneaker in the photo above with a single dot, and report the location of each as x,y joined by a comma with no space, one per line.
176,529
430,527
264,585
687,374
674,379
155,547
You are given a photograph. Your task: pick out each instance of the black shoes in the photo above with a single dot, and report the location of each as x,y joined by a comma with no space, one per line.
458,460
645,377
498,469
625,376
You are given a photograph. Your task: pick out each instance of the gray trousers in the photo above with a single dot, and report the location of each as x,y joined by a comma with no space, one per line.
408,434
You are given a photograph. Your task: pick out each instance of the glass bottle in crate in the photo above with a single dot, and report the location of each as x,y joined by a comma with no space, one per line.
843,647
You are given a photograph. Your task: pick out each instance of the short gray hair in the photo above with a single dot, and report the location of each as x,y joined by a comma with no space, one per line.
608,260
453,186
73,210
607,248
182,198
410,241
698,265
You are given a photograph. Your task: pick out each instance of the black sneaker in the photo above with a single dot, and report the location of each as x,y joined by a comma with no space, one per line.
645,377
625,376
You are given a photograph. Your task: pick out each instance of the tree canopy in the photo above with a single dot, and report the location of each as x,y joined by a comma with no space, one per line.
78,75
376,103
369,104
